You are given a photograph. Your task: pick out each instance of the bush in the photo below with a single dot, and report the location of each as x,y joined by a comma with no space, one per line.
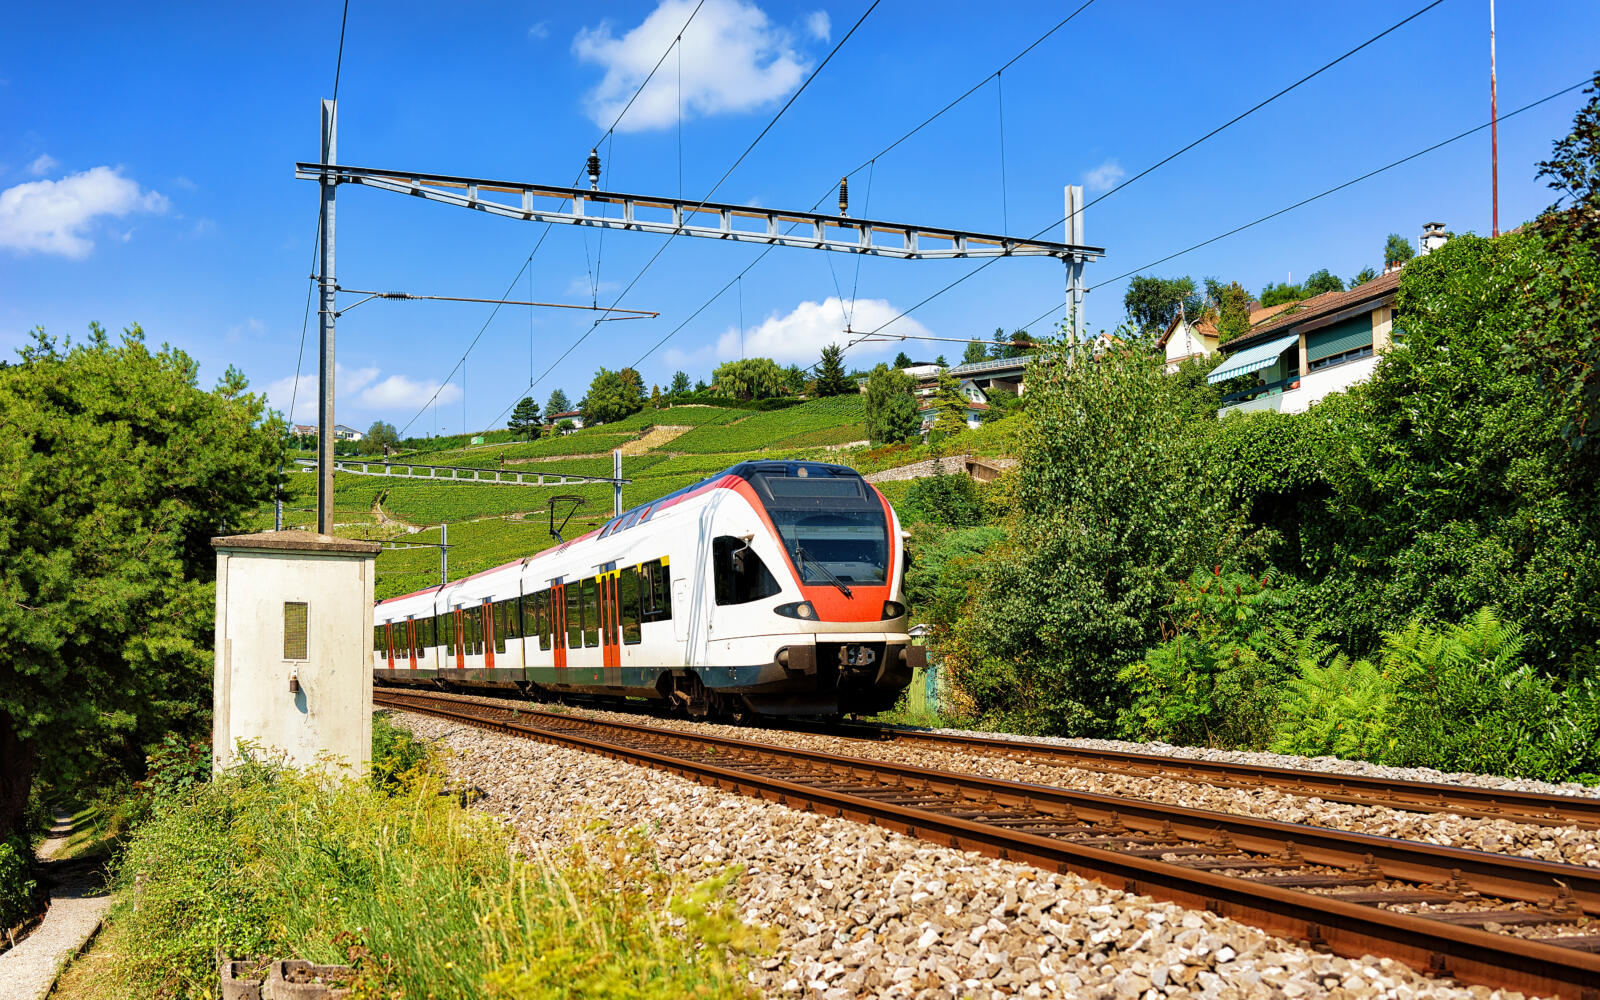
16,888
429,898
1215,682
953,500
1457,698
397,755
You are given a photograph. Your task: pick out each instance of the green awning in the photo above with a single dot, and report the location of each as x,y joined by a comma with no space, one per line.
1252,360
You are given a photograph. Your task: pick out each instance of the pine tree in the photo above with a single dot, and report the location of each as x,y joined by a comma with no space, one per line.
525,419
831,379
976,351
557,403
903,360
680,384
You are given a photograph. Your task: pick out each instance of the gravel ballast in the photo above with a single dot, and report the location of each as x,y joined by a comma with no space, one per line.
1567,844
863,912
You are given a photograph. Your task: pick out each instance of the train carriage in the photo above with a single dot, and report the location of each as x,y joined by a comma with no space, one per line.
772,587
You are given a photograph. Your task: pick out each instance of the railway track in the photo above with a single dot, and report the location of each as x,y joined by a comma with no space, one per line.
1501,921
1411,796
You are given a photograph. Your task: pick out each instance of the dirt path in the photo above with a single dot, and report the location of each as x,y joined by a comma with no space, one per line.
28,971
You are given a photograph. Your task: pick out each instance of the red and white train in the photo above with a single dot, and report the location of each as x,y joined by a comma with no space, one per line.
772,587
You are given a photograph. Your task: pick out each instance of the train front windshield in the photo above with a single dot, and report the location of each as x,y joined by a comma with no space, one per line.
833,527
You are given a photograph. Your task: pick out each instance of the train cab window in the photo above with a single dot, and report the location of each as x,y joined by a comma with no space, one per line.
628,596
738,573
574,615
591,612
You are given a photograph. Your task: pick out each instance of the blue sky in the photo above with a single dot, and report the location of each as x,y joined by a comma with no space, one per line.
146,167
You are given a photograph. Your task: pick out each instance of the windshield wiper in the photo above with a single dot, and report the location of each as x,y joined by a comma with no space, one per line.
800,550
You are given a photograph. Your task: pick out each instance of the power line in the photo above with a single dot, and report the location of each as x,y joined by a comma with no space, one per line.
1322,194
725,175
1169,158
548,226
869,163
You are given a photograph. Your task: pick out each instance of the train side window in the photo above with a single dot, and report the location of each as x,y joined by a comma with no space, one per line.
377,644
738,574
514,628
591,612
574,615
498,613
655,596
540,603
471,630
628,597
480,616
445,623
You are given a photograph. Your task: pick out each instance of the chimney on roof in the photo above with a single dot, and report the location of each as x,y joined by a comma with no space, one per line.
1433,237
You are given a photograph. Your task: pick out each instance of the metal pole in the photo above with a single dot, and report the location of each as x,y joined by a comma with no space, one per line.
277,501
616,473
1074,235
1494,135
444,554
330,124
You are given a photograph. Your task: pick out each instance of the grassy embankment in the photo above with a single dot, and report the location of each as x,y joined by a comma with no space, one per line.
426,898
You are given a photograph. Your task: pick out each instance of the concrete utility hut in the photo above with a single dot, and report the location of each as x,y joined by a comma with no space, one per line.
294,647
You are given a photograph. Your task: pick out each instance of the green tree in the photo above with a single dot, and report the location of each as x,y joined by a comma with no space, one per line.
1363,276
891,408
525,422
1565,337
831,379
950,405
1233,309
1281,292
557,403
976,351
612,396
1397,250
1110,509
794,380
655,397
903,360
941,362
749,378
680,384
116,470
380,437
1152,303
1322,281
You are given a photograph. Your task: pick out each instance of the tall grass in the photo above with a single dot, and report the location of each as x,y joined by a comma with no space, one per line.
427,898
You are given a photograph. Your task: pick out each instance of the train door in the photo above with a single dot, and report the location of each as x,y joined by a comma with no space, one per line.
610,629
457,622
388,642
558,625
411,641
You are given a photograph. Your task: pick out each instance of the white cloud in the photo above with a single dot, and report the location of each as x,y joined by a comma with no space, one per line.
54,216
819,24
398,391
347,383
43,165
581,286
538,31
801,335
734,59
1104,177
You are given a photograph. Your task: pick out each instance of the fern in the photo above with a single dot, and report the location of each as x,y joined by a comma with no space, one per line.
1334,706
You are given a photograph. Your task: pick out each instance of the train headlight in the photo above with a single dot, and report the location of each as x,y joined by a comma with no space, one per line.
893,609
801,609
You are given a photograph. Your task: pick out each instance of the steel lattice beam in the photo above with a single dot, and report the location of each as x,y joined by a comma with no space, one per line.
677,216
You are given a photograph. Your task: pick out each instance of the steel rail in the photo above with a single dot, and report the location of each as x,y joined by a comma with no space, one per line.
1417,796
1346,928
